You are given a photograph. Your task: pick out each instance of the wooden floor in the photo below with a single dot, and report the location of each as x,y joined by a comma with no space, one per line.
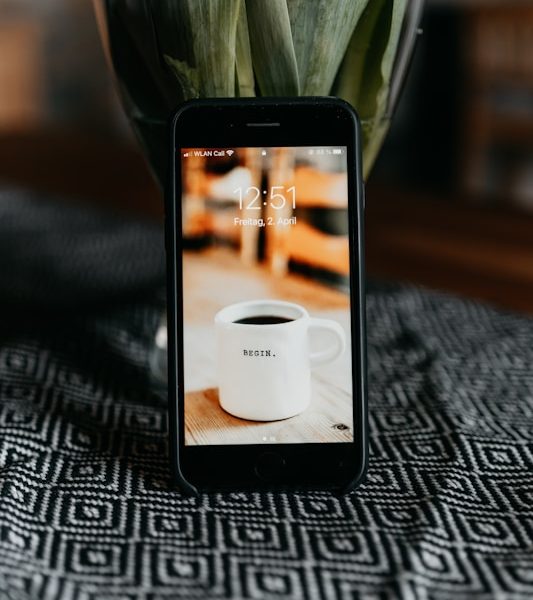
80,167
450,244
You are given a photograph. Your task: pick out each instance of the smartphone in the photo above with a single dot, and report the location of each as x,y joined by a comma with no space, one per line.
266,311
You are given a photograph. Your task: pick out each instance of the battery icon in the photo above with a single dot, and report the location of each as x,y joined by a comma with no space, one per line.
337,151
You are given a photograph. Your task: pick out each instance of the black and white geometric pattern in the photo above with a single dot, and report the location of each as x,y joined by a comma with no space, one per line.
87,513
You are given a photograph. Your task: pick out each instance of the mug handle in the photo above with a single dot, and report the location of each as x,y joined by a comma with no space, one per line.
329,354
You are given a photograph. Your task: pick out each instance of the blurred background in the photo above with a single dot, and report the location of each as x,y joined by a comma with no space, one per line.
449,202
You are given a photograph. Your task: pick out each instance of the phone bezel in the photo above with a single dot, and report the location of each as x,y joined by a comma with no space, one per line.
302,122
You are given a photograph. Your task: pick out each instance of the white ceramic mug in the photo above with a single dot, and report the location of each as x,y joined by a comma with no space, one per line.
264,371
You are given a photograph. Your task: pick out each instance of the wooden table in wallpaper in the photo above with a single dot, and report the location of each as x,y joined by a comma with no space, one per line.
327,419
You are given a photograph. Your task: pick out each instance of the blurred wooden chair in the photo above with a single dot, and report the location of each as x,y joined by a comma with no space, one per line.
210,205
320,193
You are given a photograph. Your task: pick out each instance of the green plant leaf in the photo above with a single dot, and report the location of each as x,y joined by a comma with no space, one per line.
215,24
321,31
387,63
243,57
186,75
365,73
209,27
273,55
362,48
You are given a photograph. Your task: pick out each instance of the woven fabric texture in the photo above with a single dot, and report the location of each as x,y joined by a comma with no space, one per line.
87,513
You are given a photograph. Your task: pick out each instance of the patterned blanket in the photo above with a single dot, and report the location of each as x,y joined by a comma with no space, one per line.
86,510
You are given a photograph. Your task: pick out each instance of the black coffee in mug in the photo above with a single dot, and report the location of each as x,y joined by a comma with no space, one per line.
263,320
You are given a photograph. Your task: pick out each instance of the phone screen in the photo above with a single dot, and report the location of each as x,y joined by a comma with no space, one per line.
266,296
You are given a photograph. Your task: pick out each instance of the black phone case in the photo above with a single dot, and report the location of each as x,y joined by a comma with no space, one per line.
185,486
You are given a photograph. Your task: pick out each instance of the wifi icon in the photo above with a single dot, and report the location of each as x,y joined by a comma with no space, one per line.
230,152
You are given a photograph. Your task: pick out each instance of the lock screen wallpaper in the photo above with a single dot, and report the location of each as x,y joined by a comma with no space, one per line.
266,303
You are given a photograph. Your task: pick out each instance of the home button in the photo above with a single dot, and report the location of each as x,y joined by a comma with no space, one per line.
269,466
